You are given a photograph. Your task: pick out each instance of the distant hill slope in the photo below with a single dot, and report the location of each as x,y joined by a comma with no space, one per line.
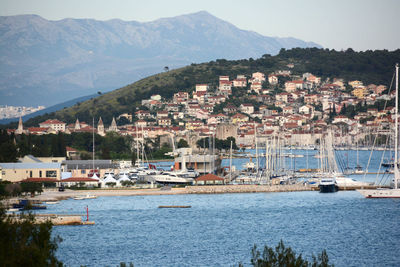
369,67
45,62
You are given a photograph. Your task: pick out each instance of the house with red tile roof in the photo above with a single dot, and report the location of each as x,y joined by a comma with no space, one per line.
209,179
56,125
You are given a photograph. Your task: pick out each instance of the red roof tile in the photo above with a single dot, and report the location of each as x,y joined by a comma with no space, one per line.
209,177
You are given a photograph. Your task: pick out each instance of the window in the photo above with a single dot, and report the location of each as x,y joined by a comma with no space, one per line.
51,174
30,174
3,173
83,171
40,174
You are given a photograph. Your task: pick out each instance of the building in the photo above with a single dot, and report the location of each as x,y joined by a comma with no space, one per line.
80,181
202,87
247,108
209,179
56,125
226,130
82,168
16,172
240,81
259,76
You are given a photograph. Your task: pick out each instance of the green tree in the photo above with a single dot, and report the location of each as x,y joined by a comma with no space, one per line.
285,256
182,143
25,243
8,152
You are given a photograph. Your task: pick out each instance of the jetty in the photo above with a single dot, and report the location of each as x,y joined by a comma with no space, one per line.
56,219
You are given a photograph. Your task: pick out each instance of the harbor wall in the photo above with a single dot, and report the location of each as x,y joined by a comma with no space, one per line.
220,189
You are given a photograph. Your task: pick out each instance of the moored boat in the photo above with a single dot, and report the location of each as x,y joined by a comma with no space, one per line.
328,185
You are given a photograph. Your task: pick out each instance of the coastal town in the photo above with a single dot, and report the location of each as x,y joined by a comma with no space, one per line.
276,109
298,108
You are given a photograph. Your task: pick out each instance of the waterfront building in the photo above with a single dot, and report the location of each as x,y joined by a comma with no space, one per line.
80,181
82,168
209,179
16,172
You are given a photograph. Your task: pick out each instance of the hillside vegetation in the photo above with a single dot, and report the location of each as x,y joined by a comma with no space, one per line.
370,67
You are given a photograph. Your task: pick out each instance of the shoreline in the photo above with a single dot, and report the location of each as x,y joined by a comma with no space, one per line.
52,195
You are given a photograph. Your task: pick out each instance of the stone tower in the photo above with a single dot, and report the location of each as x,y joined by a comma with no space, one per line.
100,128
113,126
20,129
77,124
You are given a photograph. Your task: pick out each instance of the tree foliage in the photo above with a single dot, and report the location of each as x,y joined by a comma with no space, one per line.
25,243
219,144
285,256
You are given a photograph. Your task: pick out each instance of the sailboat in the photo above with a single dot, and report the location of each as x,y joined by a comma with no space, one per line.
389,192
329,168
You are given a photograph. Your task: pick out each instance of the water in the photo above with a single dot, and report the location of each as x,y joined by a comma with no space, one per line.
220,230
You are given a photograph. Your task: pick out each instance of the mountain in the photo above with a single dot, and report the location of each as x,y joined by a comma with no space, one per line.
46,62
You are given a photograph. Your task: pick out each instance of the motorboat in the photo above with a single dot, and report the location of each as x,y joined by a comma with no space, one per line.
172,178
349,182
328,185
188,173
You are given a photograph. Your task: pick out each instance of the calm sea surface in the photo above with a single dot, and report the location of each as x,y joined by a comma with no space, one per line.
220,230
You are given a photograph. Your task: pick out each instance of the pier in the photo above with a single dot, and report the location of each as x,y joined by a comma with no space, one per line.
56,219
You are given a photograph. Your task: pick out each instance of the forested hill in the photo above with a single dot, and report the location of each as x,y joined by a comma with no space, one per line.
370,67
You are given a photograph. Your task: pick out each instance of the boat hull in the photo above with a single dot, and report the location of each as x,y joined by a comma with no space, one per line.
331,188
380,193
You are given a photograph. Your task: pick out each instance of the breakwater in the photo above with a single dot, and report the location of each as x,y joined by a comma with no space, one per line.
221,189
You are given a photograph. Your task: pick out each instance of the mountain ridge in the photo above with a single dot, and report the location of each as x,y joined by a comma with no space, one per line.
45,61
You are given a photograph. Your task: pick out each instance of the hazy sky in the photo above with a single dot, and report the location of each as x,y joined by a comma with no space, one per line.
338,24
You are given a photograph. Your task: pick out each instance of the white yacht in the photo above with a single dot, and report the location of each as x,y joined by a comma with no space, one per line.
172,178
349,182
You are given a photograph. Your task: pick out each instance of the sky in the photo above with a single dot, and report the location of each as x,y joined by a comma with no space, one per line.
334,24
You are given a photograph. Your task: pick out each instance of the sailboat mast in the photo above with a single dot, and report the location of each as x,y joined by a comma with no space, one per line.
255,140
93,147
396,130
137,147
230,163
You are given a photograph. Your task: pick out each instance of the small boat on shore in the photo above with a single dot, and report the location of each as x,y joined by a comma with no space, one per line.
79,198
